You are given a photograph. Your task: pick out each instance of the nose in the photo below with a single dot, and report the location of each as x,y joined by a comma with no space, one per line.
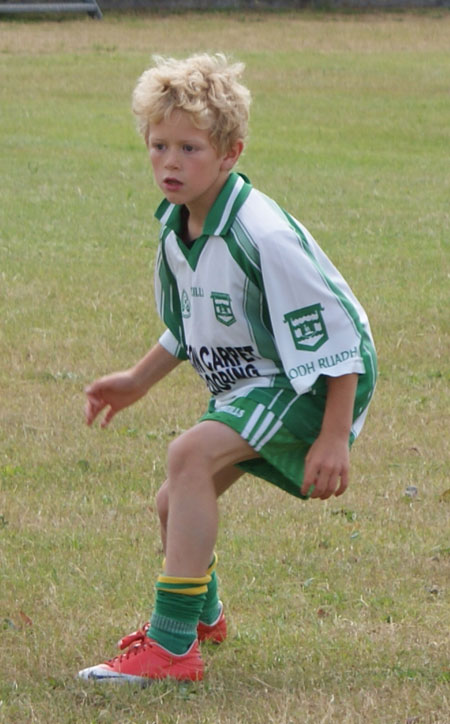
172,159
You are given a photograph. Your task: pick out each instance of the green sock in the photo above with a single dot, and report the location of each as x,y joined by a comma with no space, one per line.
178,604
211,607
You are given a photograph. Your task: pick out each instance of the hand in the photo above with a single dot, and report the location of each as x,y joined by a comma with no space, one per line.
114,391
327,467
122,389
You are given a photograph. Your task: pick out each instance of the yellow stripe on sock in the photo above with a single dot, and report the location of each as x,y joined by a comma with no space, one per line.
186,591
204,580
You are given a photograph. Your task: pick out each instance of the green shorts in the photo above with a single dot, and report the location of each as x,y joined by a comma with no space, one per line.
281,426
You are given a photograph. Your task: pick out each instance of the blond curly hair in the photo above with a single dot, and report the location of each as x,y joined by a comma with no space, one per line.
205,86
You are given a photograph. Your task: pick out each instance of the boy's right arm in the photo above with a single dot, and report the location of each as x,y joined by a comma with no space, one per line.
121,389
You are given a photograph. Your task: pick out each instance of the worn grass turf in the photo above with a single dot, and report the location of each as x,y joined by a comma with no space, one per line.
338,611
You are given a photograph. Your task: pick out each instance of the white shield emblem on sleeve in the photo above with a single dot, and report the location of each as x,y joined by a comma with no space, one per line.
307,327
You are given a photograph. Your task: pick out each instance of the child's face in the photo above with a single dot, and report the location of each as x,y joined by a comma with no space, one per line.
187,167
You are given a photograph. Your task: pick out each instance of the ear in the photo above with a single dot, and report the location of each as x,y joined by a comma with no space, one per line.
231,157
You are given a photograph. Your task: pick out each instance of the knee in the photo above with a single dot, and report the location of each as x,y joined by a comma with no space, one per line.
186,454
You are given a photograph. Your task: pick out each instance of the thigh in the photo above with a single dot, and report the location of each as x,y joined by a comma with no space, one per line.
214,444
223,480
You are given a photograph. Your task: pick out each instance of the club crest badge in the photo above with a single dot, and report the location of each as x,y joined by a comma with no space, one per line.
185,305
222,308
307,327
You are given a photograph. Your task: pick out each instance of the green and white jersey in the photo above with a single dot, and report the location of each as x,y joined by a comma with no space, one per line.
255,302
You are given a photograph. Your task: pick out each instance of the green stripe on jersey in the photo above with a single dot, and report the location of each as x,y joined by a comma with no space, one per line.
227,204
366,347
254,303
169,301
256,311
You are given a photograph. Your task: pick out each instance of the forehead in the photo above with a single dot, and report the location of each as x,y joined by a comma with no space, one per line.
179,125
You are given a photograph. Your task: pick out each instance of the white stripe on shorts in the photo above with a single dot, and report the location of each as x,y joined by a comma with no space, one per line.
286,409
275,399
269,435
261,429
257,412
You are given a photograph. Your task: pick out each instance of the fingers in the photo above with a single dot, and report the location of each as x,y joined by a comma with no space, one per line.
93,408
108,417
324,481
94,404
325,485
344,483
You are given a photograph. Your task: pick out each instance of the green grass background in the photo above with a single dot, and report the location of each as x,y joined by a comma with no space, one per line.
338,611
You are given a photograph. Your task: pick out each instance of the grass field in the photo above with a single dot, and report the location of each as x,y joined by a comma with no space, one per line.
339,612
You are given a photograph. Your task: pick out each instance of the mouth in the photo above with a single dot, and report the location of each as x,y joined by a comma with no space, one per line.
172,184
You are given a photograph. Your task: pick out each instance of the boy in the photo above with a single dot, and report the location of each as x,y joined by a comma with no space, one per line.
266,320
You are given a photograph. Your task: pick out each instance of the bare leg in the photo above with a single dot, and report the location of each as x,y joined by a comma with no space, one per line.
223,480
195,460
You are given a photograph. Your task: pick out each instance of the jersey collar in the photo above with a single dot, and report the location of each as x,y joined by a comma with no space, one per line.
221,214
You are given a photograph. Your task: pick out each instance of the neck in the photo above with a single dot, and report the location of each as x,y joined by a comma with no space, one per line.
194,228
199,209
191,229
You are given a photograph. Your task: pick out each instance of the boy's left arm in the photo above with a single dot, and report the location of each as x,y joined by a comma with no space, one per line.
328,460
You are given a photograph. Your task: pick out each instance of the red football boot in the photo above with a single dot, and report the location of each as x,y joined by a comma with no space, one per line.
146,661
215,632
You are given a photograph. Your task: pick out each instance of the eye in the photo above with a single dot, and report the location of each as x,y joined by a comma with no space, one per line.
188,147
157,146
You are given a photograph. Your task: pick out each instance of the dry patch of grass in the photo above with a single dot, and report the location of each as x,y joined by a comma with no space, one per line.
237,32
